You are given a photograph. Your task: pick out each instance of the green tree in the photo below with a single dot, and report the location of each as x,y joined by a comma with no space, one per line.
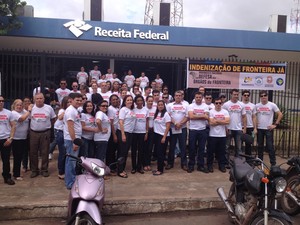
8,15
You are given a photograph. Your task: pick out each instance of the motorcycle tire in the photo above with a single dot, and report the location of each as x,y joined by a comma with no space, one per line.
85,219
272,220
287,204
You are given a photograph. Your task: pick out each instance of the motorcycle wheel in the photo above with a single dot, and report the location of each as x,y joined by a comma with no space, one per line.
271,220
84,219
287,204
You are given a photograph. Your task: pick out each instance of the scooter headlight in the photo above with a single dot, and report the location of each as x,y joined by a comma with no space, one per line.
98,170
280,184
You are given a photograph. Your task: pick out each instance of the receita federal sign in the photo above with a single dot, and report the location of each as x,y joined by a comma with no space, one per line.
78,27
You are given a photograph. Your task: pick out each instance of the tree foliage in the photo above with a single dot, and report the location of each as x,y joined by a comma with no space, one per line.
8,15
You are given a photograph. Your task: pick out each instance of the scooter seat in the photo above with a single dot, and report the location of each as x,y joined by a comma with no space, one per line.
240,168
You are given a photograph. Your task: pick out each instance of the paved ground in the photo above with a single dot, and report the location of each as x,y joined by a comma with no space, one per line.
175,190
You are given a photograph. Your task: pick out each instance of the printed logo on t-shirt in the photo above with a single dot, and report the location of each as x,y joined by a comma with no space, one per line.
235,108
39,117
219,117
199,111
264,110
3,118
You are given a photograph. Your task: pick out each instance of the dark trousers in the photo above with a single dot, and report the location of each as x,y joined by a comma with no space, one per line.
149,147
88,148
200,137
182,145
39,142
216,145
248,147
26,154
111,153
137,151
261,134
5,155
18,147
123,148
61,161
160,151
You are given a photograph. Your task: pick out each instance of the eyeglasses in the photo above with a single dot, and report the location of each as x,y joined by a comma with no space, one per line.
165,97
264,95
218,103
1,100
104,106
246,95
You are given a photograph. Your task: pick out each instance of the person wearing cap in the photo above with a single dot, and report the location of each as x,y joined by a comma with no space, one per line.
264,115
238,120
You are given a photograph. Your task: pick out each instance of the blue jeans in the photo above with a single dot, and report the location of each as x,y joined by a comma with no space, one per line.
59,139
88,148
70,173
101,147
236,135
182,145
261,134
195,136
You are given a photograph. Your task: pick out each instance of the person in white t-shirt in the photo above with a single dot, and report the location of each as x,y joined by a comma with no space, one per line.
63,90
126,124
82,76
72,131
113,115
140,135
264,115
105,93
7,128
102,136
42,119
115,88
158,80
251,118
238,120
95,74
144,80
218,120
20,141
178,112
129,79
198,115
162,124
109,75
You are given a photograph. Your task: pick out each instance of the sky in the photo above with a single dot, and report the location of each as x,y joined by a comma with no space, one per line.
251,15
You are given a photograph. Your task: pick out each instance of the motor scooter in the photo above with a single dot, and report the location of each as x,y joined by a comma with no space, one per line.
86,197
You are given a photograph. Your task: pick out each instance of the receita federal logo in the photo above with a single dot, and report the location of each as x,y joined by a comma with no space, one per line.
77,27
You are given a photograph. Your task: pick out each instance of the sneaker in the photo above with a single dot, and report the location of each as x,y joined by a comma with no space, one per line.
45,174
50,156
9,181
202,169
34,174
18,178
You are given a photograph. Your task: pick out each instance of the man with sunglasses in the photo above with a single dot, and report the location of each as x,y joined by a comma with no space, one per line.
264,115
251,118
63,90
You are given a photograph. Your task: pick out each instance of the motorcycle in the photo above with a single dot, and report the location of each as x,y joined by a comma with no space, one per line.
252,198
290,199
86,197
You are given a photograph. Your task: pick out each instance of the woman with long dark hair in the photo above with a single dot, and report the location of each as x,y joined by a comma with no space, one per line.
127,120
140,135
88,129
162,123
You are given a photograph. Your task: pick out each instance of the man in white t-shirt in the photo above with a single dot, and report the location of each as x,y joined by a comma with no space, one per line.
144,80
264,115
109,75
42,119
95,74
63,90
129,79
179,116
251,118
72,131
198,115
238,120
82,76
218,120
104,92
7,128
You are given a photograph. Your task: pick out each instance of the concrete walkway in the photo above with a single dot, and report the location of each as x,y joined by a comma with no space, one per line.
140,193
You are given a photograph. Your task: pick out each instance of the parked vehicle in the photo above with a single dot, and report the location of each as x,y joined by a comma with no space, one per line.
86,197
252,198
290,200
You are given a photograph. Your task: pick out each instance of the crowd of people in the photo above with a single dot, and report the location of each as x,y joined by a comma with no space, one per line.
105,118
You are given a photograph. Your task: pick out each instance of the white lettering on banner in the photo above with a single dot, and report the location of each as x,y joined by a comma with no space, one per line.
137,34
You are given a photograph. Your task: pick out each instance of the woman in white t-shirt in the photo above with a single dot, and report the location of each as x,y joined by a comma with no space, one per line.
150,136
126,124
88,129
140,135
162,123
21,117
102,136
